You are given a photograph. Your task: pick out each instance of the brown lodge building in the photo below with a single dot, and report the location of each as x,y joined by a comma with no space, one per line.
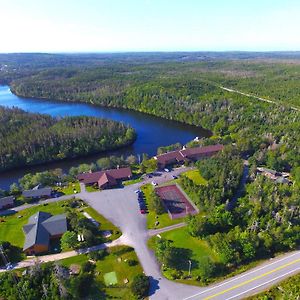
105,179
41,228
187,154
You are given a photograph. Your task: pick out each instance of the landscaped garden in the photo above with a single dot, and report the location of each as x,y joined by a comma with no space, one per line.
114,272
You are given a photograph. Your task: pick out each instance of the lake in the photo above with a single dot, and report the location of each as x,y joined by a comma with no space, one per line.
152,131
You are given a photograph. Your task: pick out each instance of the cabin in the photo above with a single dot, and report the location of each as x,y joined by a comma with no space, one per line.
105,179
38,193
7,202
187,154
41,228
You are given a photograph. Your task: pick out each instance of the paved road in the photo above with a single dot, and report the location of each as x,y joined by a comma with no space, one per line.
253,281
54,257
255,97
153,232
120,206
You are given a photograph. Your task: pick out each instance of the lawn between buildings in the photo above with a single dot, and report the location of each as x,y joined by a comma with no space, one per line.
118,261
11,226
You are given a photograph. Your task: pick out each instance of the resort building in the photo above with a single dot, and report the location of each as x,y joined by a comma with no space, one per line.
105,179
41,228
187,154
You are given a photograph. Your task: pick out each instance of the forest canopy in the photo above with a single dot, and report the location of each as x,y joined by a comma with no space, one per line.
27,139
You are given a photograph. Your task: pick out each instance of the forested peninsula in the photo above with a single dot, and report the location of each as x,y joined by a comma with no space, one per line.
28,139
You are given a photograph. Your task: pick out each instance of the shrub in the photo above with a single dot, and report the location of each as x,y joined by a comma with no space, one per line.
140,286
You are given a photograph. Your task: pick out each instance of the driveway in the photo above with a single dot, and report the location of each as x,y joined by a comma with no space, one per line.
120,206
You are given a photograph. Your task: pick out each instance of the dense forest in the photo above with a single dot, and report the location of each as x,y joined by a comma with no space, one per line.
27,139
179,86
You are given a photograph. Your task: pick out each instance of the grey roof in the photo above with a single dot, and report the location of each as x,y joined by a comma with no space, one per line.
41,226
37,193
6,201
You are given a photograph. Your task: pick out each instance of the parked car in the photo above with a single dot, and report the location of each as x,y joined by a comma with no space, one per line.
174,177
143,211
154,183
137,191
166,170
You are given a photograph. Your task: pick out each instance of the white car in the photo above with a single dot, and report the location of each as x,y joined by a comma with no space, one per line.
166,170
154,183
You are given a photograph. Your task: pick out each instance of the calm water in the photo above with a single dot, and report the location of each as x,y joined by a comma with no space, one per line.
152,131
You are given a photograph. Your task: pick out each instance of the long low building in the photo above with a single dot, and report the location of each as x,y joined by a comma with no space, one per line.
38,193
107,178
187,154
7,202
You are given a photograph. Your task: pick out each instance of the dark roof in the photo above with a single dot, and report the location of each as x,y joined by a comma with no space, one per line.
6,201
121,173
37,192
180,155
202,150
41,226
170,156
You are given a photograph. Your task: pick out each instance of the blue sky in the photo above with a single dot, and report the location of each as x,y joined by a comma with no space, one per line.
148,25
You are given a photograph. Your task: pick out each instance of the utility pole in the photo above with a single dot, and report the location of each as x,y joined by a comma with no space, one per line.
190,265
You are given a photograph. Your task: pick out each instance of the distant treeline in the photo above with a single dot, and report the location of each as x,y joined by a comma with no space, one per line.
183,87
27,139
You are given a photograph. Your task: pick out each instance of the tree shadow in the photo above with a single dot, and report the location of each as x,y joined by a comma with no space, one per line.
154,285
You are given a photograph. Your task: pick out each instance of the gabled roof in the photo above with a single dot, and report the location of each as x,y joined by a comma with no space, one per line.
170,156
37,192
41,226
106,178
94,177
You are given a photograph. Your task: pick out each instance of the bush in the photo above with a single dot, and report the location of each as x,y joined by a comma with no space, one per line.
132,262
98,255
140,286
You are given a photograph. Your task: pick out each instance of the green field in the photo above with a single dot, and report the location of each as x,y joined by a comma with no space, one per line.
132,181
195,176
117,262
91,188
11,226
197,248
163,219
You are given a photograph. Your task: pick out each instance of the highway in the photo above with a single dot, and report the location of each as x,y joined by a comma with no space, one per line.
253,281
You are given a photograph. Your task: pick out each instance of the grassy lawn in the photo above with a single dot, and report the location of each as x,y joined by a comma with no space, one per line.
197,249
104,223
91,188
195,176
132,181
70,188
11,226
116,262
164,219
